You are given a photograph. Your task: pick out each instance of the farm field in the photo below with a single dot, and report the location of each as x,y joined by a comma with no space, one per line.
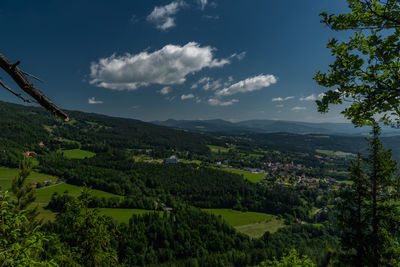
346,182
77,154
252,177
254,224
217,149
43,195
8,174
334,153
123,215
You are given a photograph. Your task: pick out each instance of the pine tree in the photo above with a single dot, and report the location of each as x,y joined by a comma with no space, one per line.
24,192
369,212
87,234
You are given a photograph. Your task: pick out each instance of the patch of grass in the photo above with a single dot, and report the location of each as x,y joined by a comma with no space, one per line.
254,224
198,162
256,230
237,218
252,177
44,214
43,195
123,215
8,174
346,182
218,149
334,153
77,154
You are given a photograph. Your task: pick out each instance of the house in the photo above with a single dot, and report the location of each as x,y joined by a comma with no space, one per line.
29,153
171,160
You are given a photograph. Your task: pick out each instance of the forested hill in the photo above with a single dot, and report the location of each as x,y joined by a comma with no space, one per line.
25,126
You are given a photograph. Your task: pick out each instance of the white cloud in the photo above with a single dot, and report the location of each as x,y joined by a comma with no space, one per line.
202,3
210,17
134,19
136,106
311,97
188,96
213,85
93,100
239,56
170,98
167,66
248,85
280,106
298,108
217,102
163,16
199,82
165,90
321,95
207,83
279,99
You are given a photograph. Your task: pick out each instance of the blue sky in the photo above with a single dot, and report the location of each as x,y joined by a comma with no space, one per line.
182,59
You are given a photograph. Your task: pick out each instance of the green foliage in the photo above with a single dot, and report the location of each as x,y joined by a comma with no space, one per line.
293,259
183,233
365,71
87,235
23,192
369,212
77,154
20,245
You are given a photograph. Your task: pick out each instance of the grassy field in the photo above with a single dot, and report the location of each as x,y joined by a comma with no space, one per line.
252,177
43,195
123,215
254,224
44,214
77,154
186,161
334,153
346,182
8,174
217,149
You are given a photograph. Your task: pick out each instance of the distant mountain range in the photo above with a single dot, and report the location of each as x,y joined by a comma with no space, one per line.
272,126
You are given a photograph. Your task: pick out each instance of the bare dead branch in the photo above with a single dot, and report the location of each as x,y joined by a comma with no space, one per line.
16,94
19,77
32,76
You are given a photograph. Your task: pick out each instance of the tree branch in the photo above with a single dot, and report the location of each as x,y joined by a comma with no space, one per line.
19,77
16,94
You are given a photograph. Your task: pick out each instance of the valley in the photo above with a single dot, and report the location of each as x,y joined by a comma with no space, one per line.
257,188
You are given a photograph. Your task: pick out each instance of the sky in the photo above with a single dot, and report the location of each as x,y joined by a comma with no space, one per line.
183,59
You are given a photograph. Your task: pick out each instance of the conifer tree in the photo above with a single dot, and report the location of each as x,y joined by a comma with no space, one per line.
369,212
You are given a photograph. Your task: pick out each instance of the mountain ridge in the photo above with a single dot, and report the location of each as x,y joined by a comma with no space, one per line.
271,126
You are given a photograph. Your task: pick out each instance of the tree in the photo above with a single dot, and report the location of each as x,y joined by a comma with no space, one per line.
367,66
23,192
20,77
87,234
369,212
19,245
292,259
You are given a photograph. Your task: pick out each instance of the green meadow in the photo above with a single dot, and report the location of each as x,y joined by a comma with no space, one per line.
8,174
334,153
218,149
123,215
43,195
252,177
253,224
77,154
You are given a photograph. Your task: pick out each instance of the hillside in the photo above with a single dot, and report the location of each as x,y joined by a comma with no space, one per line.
272,126
23,127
